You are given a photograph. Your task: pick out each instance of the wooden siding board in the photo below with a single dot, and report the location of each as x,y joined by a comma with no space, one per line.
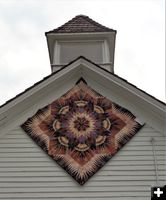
72,184
72,189
54,169
40,154
76,194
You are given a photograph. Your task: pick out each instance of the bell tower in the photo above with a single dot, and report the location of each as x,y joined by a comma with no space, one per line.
81,36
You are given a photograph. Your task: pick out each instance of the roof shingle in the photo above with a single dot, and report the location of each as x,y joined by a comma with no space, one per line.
80,24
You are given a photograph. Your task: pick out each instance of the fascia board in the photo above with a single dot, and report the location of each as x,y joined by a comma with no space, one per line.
91,34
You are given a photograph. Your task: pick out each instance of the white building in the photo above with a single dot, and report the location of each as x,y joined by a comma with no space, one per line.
82,57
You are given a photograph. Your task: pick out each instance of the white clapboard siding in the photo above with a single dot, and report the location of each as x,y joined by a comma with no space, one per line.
28,173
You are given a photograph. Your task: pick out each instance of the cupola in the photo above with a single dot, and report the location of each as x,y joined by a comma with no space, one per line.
81,36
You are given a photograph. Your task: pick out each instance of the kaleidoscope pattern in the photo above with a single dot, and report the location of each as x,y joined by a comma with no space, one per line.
82,130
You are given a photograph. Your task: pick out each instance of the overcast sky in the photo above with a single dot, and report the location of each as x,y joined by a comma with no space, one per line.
140,41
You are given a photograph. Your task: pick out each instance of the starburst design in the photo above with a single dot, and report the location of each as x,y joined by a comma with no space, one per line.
81,130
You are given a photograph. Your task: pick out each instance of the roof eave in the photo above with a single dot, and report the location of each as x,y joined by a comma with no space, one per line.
55,32
80,33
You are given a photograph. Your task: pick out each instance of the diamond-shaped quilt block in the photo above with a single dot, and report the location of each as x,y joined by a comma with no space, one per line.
82,130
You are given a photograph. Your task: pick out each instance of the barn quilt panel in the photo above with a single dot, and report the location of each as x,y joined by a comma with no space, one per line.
82,130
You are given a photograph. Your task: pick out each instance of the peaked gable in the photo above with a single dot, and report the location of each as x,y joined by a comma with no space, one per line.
153,109
80,24
81,57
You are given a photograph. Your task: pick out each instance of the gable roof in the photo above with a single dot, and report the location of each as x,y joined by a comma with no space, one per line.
80,24
52,74
88,70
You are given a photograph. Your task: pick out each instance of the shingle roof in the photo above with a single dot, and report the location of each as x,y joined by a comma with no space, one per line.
79,24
